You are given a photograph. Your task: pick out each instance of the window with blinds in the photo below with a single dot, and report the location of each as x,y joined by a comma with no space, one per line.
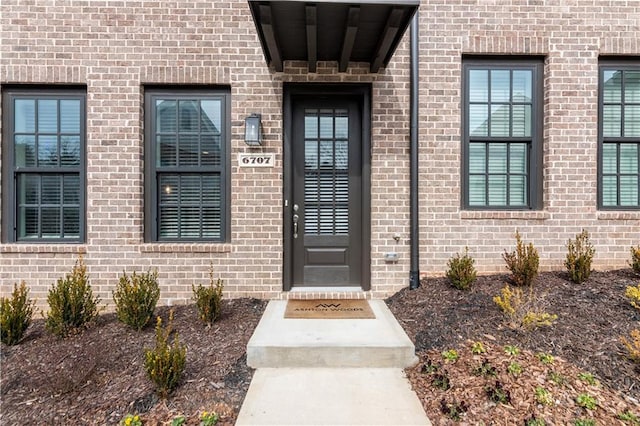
500,133
326,173
619,181
46,139
187,167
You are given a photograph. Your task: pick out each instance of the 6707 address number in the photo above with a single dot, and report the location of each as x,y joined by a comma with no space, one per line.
256,160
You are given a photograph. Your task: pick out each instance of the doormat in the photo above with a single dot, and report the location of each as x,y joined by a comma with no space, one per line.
329,309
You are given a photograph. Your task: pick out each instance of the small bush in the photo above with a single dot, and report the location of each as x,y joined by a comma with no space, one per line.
579,257
15,314
633,294
588,378
586,401
209,299
632,345
461,270
450,356
514,369
164,364
131,420
453,410
584,422
534,421
136,298
497,393
523,262
477,348
71,302
208,418
635,259
543,396
521,310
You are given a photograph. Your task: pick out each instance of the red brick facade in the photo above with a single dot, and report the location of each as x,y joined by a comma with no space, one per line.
117,48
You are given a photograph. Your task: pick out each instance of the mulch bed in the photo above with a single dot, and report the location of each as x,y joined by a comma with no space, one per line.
97,377
591,318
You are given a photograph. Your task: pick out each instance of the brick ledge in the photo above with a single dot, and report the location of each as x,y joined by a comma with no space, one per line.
504,214
185,248
635,215
43,248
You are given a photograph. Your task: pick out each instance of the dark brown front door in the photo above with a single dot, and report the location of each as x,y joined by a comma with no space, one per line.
325,209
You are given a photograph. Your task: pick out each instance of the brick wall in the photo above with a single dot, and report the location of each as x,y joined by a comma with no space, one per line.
115,48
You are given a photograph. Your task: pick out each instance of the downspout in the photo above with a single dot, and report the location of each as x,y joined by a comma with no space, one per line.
414,272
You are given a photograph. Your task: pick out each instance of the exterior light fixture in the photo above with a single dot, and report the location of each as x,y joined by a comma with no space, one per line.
253,130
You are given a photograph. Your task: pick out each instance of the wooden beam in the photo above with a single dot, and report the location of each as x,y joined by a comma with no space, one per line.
266,23
386,39
353,21
312,37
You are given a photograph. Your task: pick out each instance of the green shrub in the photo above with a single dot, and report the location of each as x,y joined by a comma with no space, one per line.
579,257
461,272
71,302
209,299
15,314
523,262
136,298
635,259
164,363
633,294
586,401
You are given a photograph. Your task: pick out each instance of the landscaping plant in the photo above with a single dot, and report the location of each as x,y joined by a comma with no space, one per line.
478,348
136,298
209,299
633,294
131,420
15,314
586,401
522,311
523,262
633,345
461,271
543,396
635,259
579,257
453,410
165,363
208,418
589,379
71,302
497,393
450,355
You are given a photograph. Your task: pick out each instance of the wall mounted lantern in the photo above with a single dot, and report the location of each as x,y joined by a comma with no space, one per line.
253,130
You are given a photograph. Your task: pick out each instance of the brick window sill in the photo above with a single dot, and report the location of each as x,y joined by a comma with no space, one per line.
43,248
619,215
186,248
505,214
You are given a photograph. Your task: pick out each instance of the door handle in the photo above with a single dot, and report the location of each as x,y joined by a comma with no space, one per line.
295,225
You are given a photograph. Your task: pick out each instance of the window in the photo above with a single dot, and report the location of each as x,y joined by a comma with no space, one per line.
43,165
502,122
186,166
619,135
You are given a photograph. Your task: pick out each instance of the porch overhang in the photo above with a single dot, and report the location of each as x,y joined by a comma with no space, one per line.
331,30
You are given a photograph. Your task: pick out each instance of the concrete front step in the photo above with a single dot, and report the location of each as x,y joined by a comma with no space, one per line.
331,396
296,343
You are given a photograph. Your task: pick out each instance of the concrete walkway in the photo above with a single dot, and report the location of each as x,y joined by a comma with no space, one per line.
330,372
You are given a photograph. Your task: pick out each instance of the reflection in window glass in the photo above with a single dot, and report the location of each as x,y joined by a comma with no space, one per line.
187,141
47,148
620,137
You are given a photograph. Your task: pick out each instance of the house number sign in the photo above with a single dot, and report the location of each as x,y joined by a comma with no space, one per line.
256,160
